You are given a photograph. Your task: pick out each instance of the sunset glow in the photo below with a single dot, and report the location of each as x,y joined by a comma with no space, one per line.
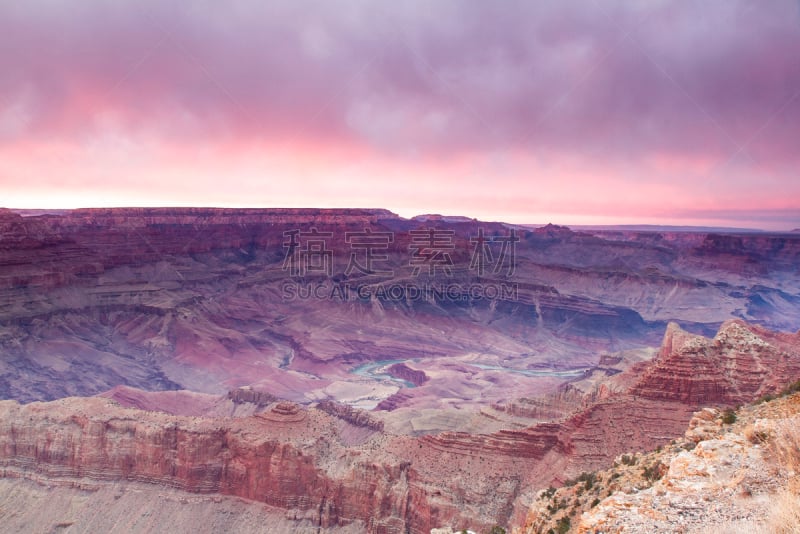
579,112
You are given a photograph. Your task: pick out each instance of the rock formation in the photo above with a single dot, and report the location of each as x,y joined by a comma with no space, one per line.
222,371
301,459
352,415
404,372
197,299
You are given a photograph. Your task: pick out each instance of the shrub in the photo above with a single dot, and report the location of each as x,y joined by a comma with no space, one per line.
755,436
588,480
766,398
497,530
653,472
794,387
563,525
556,506
728,417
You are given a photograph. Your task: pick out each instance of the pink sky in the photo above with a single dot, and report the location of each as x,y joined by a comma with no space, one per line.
573,112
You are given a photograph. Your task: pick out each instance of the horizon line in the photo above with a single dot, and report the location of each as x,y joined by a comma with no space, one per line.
627,226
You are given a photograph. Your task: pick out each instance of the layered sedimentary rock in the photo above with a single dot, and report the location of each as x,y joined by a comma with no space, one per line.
202,308
287,457
261,458
205,299
404,372
741,362
259,398
726,476
300,460
352,415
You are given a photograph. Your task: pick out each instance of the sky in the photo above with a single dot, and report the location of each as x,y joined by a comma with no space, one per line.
683,112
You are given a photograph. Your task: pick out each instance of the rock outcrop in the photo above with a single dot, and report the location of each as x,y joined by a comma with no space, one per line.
354,416
404,372
246,394
739,364
728,473
733,480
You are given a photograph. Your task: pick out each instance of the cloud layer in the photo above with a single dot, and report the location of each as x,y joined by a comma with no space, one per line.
574,109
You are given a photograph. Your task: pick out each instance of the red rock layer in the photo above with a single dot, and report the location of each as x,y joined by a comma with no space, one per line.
352,415
296,459
740,363
404,372
259,398
259,458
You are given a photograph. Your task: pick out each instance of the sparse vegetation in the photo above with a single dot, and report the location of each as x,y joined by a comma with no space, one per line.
641,470
497,530
765,398
653,471
588,480
728,416
784,515
792,388
556,506
786,444
755,436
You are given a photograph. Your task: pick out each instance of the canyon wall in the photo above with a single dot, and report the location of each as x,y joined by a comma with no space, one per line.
299,459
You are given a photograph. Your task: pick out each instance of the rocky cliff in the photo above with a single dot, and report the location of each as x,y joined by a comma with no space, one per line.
335,471
731,472
280,458
740,363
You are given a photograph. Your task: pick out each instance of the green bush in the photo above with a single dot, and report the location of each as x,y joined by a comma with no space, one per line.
563,525
556,506
728,417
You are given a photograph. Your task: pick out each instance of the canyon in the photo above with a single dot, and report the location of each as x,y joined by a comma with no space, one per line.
355,371
335,468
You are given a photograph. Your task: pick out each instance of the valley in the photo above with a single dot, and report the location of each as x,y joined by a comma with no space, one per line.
181,348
